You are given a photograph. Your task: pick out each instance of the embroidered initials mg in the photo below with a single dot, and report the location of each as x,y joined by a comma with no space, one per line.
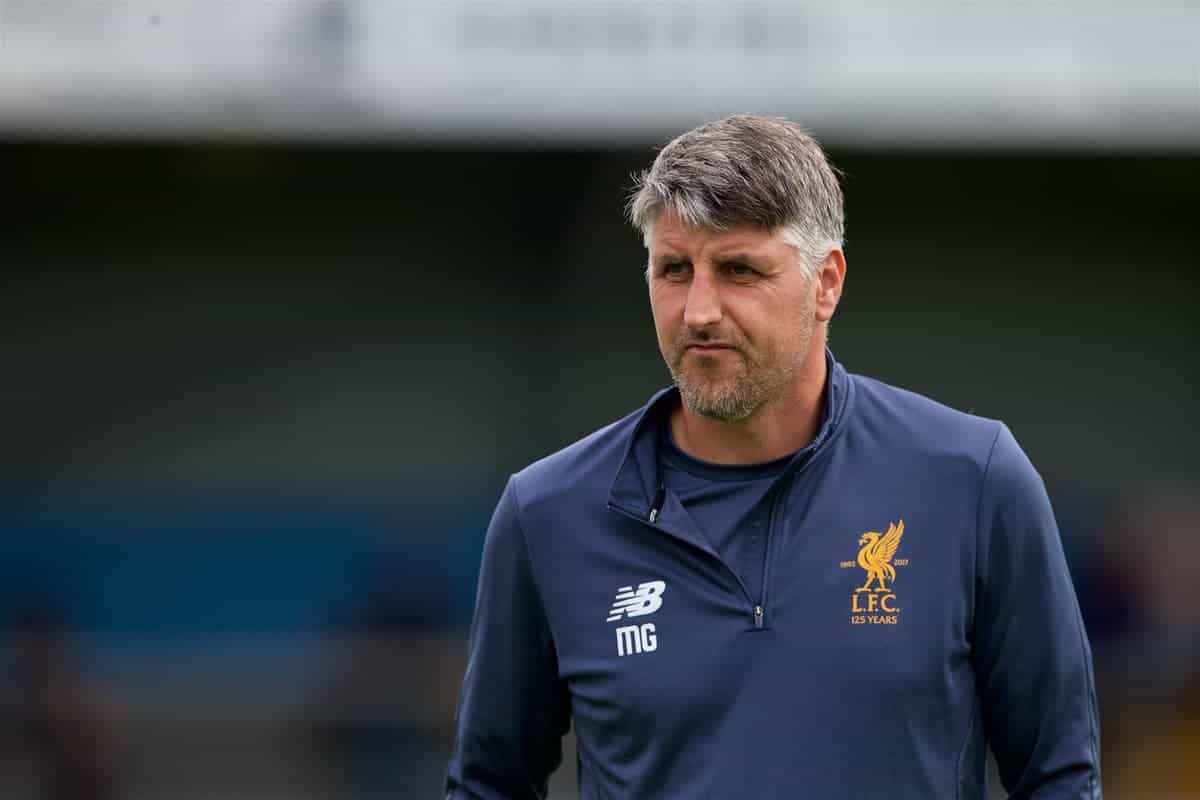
633,639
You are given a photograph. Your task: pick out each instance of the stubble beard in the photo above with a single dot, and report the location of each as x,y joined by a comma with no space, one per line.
737,392
734,393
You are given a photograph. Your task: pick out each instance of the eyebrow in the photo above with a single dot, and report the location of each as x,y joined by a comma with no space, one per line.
747,257
738,255
735,255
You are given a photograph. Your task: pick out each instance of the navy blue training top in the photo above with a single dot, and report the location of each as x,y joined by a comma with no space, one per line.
913,606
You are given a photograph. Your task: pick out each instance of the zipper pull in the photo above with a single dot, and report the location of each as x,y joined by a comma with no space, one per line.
659,496
758,616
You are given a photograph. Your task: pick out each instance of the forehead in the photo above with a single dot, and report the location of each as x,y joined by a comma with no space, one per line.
669,235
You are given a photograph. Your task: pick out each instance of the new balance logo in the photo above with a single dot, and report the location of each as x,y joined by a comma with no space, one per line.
629,603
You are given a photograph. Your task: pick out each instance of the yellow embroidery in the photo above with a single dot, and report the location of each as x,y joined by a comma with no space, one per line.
877,557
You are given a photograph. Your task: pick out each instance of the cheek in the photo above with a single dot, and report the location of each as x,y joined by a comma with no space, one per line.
667,317
778,330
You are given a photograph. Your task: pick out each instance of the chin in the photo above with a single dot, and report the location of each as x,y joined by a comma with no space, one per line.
714,401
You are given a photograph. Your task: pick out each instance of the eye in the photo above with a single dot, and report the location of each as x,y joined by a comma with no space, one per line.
739,270
673,269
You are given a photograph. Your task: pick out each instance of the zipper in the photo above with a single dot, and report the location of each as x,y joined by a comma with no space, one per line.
759,610
659,496
651,519
781,493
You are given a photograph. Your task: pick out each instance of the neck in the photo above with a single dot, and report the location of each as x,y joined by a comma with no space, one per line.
779,428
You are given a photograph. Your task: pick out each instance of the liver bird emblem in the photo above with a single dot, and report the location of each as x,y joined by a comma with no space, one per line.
875,556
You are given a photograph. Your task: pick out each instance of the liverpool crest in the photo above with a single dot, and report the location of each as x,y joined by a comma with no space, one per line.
874,603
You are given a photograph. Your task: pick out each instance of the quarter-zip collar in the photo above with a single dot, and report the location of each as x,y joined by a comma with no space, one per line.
637,488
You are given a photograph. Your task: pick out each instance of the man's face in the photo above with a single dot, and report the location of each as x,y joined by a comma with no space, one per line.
735,312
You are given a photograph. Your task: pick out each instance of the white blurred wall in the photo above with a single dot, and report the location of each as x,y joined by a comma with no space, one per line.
1056,73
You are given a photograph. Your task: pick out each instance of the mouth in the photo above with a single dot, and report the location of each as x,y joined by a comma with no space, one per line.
708,347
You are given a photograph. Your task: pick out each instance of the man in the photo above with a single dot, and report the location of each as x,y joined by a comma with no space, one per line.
776,579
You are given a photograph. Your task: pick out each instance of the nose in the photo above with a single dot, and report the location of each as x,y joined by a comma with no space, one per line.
703,302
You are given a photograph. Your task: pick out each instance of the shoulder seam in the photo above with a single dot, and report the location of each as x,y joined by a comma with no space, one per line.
983,482
983,479
533,572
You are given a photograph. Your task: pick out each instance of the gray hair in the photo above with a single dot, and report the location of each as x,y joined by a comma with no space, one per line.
744,169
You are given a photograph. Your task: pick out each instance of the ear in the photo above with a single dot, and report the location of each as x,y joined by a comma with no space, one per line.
830,278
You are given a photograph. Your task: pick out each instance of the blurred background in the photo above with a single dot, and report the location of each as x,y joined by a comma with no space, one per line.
288,289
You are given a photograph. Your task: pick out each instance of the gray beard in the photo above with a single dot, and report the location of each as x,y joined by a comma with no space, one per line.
730,401
725,403
736,399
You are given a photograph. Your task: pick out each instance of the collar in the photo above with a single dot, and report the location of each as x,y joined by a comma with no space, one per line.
637,489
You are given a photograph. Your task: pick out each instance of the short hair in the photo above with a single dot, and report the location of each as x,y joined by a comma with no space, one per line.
746,169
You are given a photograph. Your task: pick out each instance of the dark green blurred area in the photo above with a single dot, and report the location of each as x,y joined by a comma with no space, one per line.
346,351
212,314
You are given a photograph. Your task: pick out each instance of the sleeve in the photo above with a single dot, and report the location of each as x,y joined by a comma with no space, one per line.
514,708
1031,656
